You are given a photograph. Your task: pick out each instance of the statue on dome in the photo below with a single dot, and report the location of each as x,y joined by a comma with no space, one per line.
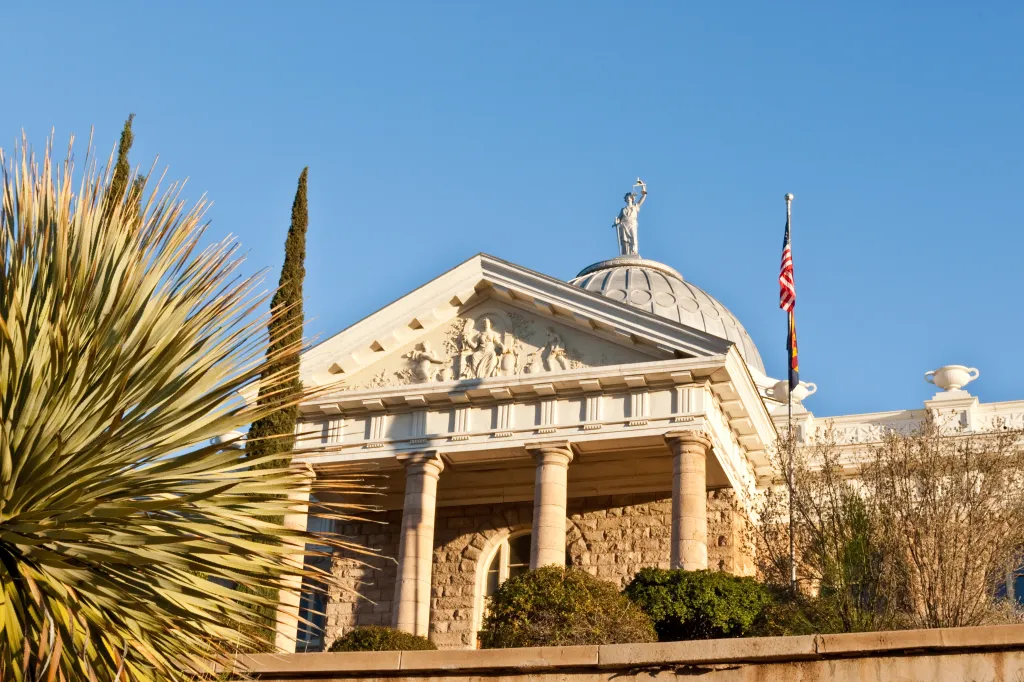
626,221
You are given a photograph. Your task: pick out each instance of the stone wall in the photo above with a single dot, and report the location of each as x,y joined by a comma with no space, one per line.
614,537
611,537
961,654
368,581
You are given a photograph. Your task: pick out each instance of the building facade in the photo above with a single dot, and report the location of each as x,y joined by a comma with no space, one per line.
617,421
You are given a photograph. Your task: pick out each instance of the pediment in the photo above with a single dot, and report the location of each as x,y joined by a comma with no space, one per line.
487,318
495,339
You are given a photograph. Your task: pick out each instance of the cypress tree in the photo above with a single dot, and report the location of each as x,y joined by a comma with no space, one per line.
123,171
276,432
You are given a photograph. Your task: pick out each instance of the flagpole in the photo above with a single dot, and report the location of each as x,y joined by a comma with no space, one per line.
789,421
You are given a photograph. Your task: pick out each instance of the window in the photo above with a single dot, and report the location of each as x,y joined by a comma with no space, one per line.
1012,588
511,559
313,601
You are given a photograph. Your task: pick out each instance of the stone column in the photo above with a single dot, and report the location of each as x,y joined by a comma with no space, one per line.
549,498
290,594
689,499
416,546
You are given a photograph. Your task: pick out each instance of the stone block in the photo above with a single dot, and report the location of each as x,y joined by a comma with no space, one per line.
267,665
707,651
534,658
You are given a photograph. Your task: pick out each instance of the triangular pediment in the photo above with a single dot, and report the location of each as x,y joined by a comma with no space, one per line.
488,318
496,338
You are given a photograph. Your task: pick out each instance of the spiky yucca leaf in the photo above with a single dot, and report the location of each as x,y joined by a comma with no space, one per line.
123,348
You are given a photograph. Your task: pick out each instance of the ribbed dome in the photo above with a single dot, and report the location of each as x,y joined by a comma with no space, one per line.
657,288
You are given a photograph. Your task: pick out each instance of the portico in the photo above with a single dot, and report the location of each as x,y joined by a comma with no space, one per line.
522,422
675,429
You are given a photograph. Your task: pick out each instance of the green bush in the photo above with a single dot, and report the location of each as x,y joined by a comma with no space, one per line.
553,606
826,612
698,604
377,638
795,614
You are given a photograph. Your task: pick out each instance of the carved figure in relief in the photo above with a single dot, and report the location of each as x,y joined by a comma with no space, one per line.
423,362
510,358
556,357
626,223
486,348
534,363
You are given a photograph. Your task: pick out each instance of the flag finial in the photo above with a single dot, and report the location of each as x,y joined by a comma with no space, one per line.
788,197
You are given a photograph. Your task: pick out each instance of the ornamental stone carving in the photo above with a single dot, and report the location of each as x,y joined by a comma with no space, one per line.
482,351
492,343
425,364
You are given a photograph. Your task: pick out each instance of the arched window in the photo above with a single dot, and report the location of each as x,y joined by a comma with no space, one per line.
511,559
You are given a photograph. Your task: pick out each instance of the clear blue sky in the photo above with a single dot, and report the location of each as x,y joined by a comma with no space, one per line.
437,130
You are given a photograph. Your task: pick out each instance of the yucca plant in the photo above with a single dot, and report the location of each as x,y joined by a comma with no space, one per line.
124,347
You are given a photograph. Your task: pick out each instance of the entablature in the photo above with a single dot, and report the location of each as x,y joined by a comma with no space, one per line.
619,407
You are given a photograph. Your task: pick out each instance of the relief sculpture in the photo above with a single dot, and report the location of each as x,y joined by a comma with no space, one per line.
425,363
492,345
485,350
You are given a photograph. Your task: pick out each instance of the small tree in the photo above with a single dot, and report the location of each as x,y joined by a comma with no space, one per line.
952,506
915,532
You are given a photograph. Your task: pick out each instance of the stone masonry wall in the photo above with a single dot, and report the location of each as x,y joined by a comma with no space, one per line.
614,537
611,537
368,581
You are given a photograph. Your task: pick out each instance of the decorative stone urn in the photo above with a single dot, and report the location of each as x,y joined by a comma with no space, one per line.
780,391
237,436
952,377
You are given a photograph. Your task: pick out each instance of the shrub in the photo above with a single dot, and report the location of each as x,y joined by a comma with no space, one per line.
378,638
698,604
555,606
790,613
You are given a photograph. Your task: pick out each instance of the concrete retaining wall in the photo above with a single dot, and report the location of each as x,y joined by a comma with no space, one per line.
983,654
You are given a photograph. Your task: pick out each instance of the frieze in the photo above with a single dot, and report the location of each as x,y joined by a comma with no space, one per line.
494,344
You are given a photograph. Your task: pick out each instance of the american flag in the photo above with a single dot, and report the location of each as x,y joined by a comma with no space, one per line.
787,288
787,301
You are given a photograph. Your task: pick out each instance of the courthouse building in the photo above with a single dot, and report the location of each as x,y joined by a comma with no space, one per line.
612,422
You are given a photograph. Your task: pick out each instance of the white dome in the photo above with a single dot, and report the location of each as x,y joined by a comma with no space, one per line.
657,288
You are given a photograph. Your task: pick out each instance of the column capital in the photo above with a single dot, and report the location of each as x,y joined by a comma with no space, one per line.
428,462
558,452
679,439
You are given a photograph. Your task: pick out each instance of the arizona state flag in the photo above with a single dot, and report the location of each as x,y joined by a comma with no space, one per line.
794,362
787,301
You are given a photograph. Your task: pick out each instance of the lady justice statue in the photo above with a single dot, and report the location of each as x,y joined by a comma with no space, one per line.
626,221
